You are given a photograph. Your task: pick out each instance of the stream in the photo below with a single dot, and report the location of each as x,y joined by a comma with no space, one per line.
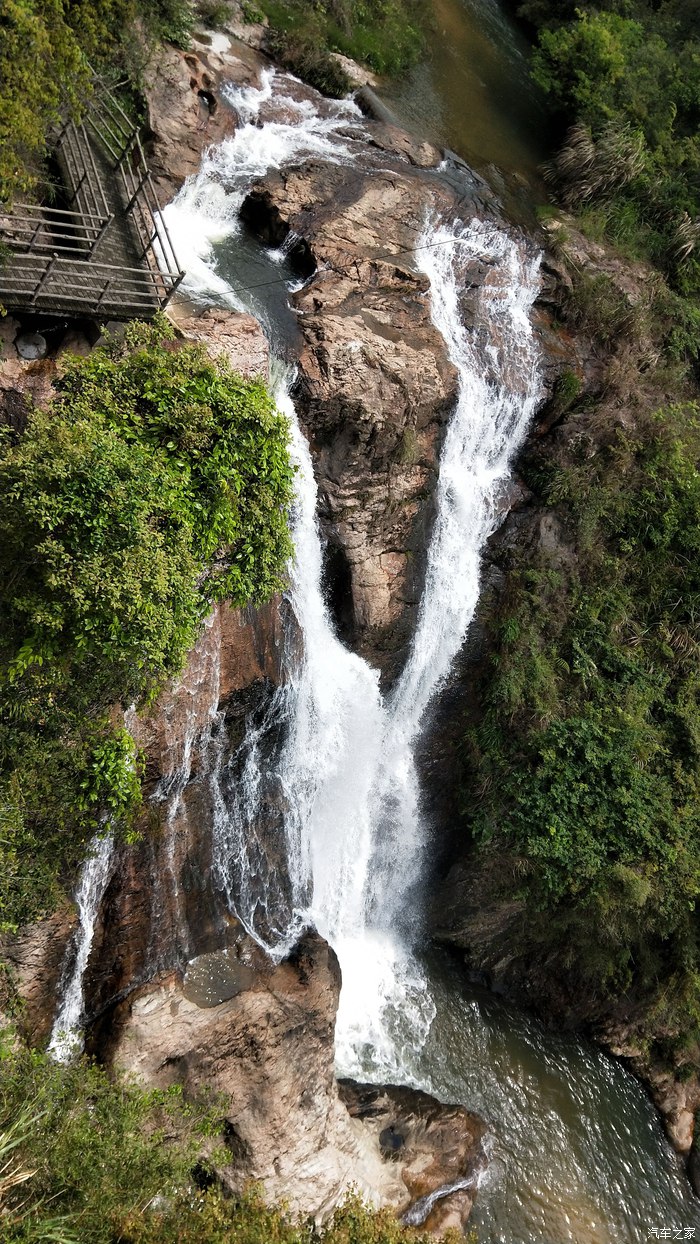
473,94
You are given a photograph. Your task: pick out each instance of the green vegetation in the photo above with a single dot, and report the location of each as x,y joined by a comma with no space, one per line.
625,75
85,1160
587,758
48,49
386,35
45,46
582,768
157,483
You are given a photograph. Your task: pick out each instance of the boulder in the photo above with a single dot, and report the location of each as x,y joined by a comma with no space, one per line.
261,1036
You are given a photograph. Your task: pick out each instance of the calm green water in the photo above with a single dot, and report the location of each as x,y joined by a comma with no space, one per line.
473,92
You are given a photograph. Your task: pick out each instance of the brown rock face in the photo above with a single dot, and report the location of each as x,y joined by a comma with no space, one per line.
264,1040
376,387
36,958
437,1148
24,384
187,110
162,905
233,335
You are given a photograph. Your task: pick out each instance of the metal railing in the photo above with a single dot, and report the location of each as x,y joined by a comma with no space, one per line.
52,264
74,151
31,227
54,282
121,141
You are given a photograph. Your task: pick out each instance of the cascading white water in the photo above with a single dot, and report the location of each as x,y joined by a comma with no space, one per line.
330,707
329,771
499,387
206,209
66,1040
188,721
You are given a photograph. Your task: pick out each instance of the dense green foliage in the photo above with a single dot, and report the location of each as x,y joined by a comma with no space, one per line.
45,46
627,74
156,483
49,48
587,758
386,35
106,1163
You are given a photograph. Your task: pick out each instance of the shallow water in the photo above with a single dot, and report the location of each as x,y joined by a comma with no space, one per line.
473,92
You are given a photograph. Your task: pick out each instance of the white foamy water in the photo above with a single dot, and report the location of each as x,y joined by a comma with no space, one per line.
66,1040
207,208
325,783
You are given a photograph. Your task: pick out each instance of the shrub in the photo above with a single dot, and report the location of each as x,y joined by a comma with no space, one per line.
588,753
301,55
156,484
214,13
386,35
626,79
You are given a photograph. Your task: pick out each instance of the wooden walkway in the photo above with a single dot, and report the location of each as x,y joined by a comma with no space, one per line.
108,254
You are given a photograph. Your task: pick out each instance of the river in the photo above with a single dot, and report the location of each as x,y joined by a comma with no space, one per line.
474,94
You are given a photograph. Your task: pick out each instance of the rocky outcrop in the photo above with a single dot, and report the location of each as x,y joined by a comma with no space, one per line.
676,1096
261,1036
186,106
234,336
375,388
437,1148
29,382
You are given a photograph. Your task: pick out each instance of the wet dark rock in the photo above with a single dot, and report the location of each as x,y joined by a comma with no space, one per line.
391,1141
433,1145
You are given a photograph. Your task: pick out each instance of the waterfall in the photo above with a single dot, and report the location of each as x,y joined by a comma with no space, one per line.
187,721
66,1040
206,209
345,776
318,817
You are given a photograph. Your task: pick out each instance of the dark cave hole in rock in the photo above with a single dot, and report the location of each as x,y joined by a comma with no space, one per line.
264,221
203,1176
234,1142
337,583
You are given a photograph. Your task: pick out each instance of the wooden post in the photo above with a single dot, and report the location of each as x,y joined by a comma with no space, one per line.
107,286
36,233
101,234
